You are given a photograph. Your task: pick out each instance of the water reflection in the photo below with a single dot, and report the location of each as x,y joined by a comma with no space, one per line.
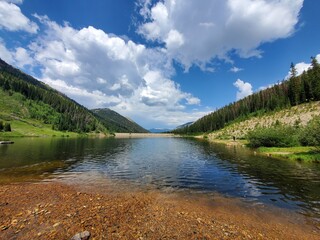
167,163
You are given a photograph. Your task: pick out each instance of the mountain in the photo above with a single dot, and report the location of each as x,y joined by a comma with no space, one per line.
33,104
291,92
116,122
159,130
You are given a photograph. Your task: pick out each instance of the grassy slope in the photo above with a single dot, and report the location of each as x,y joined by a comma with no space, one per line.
15,110
300,114
295,153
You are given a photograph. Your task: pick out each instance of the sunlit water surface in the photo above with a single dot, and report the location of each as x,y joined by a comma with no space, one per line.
177,164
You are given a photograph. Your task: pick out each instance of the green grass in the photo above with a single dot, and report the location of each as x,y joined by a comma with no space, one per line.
33,128
287,149
306,154
306,157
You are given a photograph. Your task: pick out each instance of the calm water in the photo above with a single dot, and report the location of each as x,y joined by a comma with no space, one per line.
166,163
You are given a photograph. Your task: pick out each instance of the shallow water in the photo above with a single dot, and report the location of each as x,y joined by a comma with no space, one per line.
166,163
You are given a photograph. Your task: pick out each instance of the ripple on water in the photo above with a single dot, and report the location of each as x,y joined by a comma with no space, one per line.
175,163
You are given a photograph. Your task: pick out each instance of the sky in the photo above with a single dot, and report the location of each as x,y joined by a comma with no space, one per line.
160,63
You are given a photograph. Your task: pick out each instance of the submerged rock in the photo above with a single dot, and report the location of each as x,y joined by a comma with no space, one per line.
81,236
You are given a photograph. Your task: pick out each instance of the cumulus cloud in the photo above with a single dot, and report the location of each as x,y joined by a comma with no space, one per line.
302,66
22,57
12,19
244,89
98,69
90,99
196,32
5,54
19,56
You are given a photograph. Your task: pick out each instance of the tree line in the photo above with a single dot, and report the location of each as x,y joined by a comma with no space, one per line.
290,92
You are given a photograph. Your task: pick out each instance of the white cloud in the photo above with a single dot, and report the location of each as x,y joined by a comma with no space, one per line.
19,57
209,29
301,67
174,40
103,70
5,54
22,57
90,99
235,69
192,100
244,89
14,1
13,20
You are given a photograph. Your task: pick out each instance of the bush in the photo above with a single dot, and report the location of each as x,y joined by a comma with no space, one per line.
7,127
310,135
276,136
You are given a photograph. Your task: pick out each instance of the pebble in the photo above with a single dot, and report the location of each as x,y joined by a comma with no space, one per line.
14,222
81,236
56,224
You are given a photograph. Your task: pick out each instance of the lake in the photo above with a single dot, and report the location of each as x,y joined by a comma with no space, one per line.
168,164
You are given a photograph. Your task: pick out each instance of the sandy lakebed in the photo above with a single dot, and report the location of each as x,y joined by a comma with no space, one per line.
55,210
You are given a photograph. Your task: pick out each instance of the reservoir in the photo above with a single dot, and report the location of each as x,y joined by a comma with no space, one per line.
168,164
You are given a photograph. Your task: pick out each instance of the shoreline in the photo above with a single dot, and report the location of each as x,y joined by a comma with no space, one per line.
143,135
299,153
53,210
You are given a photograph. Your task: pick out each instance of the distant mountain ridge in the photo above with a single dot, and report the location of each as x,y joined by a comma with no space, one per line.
159,130
117,122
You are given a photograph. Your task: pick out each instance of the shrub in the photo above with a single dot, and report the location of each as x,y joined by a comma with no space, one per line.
310,135
275,136
7,127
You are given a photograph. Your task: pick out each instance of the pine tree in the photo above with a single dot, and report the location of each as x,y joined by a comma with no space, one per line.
294,86
315,78
293,71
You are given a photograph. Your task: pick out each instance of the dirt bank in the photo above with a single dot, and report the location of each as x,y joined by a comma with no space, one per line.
58,211
143,135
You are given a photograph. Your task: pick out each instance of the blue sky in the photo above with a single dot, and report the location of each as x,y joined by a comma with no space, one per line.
160,63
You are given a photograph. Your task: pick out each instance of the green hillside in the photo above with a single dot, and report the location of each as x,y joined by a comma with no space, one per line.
18,112
297,90
297,116
35,109
116,122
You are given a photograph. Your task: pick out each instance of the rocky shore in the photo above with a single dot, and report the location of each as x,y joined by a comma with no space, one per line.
59,211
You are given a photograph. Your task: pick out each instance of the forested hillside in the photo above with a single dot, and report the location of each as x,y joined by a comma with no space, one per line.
296,90
116,122
39,101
